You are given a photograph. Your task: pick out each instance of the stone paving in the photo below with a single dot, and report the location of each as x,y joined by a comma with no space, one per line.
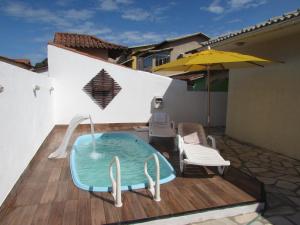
279,173
249,219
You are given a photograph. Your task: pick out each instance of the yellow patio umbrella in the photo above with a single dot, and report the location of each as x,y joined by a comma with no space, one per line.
211,59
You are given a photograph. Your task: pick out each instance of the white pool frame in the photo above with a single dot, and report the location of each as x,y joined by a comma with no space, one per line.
86,187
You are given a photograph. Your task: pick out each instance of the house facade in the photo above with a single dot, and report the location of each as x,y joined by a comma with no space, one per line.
148,56
264,102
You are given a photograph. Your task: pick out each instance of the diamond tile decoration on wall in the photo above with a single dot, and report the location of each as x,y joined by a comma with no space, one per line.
102,89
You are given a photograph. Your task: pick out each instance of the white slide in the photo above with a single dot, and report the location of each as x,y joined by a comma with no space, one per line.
61,151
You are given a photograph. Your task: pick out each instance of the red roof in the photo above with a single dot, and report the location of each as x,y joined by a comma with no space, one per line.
16,63
24,61
83,41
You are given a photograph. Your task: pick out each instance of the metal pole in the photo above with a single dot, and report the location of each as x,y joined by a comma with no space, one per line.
208,102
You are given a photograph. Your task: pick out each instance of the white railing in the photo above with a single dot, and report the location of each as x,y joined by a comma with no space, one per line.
116,184
155,191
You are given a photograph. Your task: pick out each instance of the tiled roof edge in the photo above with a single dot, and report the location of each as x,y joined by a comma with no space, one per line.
85,54
271,21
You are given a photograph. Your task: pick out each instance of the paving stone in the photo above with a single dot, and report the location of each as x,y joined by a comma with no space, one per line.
223,221
283,210
295,200
273,201
288,192
286,185
278,168
274,163
270,174
249,154
264,159
279,173
246,218
279,220
291,171
251,164
258,170
295,218
287,164
293,179
267,180
257,223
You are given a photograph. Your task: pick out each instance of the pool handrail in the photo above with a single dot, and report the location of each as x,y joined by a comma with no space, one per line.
154,191
116,184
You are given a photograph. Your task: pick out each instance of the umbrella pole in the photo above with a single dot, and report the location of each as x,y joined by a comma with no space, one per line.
208,93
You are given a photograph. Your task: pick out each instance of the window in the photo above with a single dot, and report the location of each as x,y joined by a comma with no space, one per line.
162,58
147,63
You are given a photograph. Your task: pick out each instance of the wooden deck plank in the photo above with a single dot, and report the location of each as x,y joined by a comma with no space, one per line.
97,212
42,214
47,194
55,174
70,213
84,212
56,213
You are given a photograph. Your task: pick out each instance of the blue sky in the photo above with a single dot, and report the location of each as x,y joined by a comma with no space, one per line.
27,26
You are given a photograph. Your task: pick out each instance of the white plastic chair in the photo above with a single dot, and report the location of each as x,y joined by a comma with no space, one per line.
160,125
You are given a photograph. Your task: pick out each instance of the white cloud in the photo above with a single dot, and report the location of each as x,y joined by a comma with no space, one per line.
63,2
89,28
112,5
232,5
137,37
241,4
83,14
72,20
136,14
214,7
20,10
234,21
61,19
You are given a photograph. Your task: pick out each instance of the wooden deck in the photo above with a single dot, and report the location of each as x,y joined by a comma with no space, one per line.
45,194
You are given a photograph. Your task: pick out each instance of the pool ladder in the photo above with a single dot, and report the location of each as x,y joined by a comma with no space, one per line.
116,184
153,187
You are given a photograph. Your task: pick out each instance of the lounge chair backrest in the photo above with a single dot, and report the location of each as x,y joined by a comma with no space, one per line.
192,133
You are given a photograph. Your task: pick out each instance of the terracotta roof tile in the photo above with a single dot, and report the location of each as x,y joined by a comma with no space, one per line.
274,20
16,63
24,61
73,40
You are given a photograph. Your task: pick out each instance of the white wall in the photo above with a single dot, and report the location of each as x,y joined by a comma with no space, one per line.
25,121
264,103
71,71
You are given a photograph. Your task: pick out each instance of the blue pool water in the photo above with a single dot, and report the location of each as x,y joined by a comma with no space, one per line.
92,174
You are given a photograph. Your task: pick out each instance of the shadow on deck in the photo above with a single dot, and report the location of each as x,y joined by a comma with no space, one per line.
45,193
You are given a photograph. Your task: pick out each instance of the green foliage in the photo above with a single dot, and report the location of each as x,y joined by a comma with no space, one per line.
41,64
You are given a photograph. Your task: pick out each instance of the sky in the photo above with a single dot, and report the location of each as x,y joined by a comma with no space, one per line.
27,26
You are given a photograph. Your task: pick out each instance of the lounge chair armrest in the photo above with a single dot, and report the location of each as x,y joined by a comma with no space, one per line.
213,141
180,143
172,125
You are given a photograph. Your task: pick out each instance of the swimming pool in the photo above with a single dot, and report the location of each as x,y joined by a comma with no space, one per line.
92,174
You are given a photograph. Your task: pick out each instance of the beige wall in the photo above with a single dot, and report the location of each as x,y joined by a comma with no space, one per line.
264,103
180,47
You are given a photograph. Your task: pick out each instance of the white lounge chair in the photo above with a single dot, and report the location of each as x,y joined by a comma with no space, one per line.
194,149
160,125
